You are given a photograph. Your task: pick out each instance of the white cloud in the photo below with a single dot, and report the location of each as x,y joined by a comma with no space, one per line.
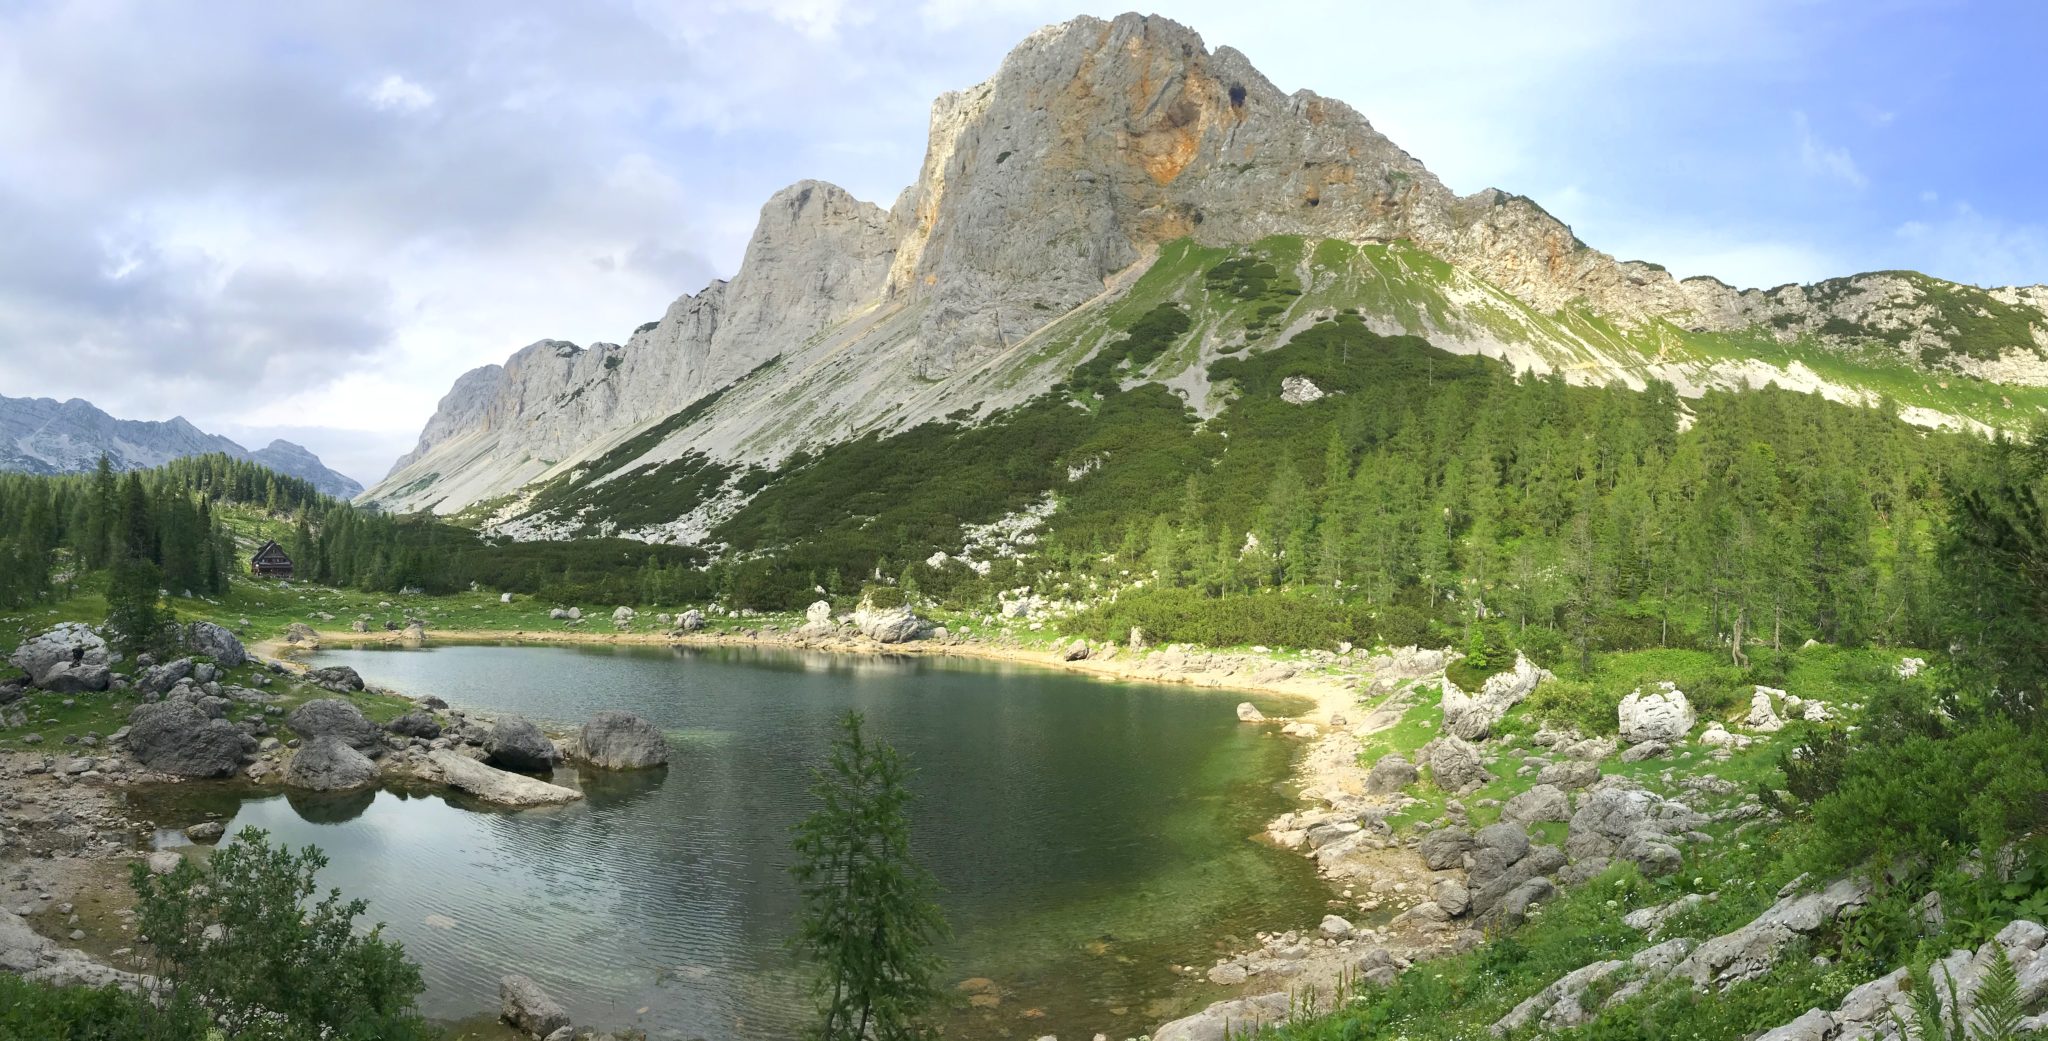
396,92
1968,246
1821,159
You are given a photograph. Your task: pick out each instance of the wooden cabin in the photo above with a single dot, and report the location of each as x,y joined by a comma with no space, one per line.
271,562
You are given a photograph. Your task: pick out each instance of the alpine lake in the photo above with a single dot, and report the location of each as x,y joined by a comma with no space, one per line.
1087,837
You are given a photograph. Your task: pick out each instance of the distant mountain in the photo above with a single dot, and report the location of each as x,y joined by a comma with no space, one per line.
1111,166
43,436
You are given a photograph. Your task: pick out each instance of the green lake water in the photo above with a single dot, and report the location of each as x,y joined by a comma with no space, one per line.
1086,835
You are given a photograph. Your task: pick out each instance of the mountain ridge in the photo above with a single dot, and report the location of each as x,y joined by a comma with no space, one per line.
46,436
1055,185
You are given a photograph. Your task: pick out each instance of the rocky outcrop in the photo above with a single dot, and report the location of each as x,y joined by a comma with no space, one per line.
301,635
516,744
1227,1019
1661,715
1871,1010
1617,819
177,737
1750,951
215,642
1454,764
69,658
33,957
1045,189
338,678
493,785
1473,716
617,740
328,763
1390,774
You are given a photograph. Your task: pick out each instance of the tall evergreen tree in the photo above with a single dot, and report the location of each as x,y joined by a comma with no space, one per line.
867,919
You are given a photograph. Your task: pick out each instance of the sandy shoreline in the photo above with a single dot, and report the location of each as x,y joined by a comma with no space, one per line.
1327,694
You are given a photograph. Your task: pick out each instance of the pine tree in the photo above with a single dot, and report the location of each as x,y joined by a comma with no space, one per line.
867,918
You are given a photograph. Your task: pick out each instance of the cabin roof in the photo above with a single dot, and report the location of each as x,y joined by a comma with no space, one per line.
270,550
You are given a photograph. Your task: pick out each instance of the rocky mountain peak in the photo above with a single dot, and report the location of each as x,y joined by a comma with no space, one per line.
1045,192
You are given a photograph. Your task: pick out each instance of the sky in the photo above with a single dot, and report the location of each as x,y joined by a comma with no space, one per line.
304,220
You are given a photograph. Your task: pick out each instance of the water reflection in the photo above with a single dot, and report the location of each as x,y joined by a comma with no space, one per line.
1087,836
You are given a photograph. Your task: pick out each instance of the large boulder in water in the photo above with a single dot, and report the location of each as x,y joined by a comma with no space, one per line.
328,764
217,643
176,737
69,659
621,741
324,717
516,744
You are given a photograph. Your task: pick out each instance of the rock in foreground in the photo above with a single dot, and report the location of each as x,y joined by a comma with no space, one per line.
524,1005
175,737
621,741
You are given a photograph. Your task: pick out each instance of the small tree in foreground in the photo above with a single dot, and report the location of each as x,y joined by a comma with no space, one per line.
236,939
867,917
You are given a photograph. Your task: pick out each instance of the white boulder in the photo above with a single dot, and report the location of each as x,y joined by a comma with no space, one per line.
1661,715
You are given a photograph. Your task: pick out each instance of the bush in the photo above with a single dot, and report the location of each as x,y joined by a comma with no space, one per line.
1980,788
1575,703
40,1012
239,941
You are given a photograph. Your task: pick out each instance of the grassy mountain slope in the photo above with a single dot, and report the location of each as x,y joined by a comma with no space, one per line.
670,481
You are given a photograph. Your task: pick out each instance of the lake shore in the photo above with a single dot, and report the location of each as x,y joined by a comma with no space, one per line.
1321,696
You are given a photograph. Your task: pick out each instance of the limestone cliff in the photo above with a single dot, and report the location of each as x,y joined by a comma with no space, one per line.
1048,190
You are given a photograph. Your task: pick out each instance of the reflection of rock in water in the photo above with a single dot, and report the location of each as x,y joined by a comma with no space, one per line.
603,789
329,807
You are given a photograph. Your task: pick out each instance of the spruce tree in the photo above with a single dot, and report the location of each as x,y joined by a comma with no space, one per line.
867,919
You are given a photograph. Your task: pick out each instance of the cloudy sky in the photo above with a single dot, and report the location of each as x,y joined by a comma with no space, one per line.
305,219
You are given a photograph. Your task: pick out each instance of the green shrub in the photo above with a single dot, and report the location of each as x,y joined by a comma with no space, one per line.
1579,704
240,941
1923,795
40,1012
